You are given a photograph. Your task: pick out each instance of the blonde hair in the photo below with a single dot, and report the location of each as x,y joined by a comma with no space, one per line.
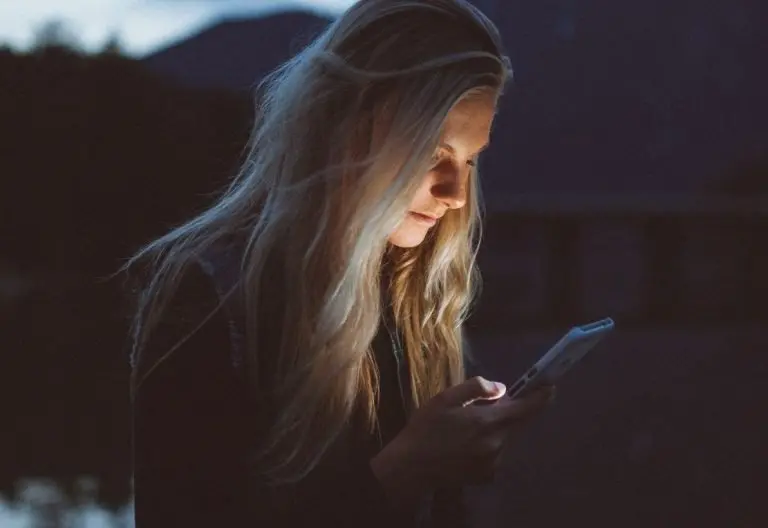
345,132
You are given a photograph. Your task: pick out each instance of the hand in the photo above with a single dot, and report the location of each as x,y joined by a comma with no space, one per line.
448,441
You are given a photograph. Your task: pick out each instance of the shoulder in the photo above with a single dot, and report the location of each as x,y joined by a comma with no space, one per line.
195,326
194,297
222,264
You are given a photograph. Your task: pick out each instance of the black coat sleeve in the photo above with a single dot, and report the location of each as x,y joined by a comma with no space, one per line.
449,505
190,442
188,415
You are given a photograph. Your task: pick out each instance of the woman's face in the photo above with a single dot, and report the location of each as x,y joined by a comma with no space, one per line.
465,133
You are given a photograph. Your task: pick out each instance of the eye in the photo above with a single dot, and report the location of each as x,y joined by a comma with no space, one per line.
472,162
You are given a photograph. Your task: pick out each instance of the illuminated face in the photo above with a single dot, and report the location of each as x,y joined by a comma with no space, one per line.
466,132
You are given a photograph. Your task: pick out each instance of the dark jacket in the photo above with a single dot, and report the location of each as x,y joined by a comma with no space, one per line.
195,421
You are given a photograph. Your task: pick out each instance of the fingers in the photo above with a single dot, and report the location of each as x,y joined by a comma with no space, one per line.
507,412
473,389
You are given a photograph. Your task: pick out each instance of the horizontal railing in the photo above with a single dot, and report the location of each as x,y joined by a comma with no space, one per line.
649,266
628,204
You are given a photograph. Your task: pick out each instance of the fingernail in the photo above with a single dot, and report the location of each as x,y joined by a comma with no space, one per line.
500,387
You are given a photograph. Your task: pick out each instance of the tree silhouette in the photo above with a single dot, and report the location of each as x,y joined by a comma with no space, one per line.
113,45
55,34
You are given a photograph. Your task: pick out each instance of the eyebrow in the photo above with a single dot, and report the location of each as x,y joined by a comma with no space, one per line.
450,148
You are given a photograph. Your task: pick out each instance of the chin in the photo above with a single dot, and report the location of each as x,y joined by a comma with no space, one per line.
407,238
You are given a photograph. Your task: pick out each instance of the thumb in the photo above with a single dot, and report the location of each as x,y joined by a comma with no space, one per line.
473,389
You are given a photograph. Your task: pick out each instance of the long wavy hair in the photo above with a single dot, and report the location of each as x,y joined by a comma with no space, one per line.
344,134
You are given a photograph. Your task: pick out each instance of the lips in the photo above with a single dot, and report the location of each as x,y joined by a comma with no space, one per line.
425,219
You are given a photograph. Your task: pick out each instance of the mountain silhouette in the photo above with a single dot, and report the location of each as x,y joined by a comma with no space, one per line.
234,54
607,97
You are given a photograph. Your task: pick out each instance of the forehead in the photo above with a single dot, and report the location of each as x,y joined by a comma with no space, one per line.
468,125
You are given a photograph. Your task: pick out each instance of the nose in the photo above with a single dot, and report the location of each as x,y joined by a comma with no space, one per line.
451,188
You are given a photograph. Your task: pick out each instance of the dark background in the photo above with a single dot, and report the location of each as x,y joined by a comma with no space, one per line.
627,176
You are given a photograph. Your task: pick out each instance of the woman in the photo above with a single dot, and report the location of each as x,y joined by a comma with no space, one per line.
297,347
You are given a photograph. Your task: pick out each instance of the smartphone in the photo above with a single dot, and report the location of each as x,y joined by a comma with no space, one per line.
553,365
